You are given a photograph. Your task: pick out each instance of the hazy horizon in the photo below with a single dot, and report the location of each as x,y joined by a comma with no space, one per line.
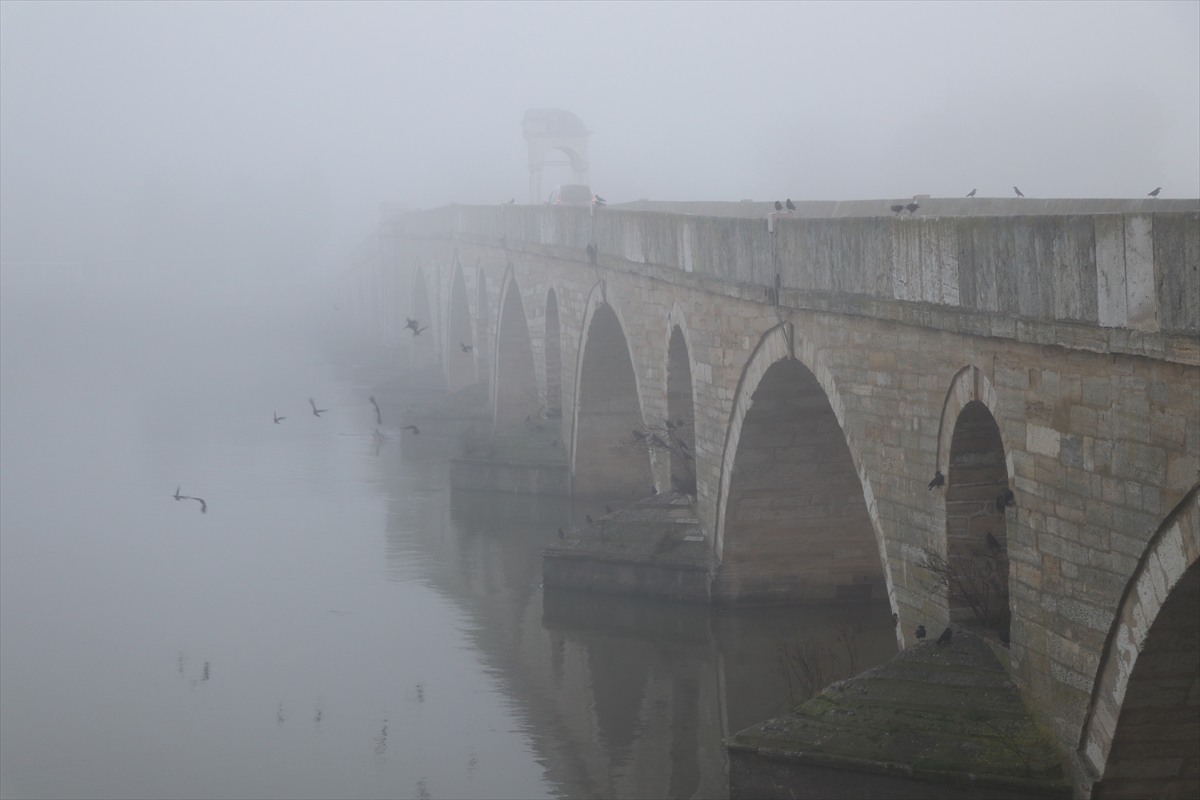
261,138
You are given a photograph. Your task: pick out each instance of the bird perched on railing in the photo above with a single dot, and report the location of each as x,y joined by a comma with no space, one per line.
1155,192
778,206
971,193
1018,191
912,208
896,209
790,205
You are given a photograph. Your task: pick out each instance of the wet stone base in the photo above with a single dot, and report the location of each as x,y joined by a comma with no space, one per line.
935,721
653,548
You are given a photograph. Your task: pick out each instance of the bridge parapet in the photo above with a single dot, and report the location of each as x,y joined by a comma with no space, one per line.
1130,272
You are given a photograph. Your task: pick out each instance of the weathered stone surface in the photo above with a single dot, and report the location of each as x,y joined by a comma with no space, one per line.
935,721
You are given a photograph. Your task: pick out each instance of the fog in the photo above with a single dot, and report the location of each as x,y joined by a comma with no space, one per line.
260,138
178,181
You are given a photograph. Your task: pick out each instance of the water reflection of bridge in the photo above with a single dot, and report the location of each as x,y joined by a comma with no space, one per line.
623,697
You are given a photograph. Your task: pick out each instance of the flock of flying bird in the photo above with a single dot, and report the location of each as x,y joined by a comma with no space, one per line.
277,419
912,207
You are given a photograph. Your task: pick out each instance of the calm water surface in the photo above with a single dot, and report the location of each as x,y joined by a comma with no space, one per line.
339,623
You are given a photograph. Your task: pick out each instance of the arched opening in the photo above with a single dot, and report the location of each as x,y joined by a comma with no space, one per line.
483,322
680,412
976,565
796,522
422,346
516,381
553,351
608,463
460,362
1156,748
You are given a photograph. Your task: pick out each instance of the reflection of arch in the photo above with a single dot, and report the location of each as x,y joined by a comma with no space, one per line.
605,461
423,347
516,395
975,475
681,409
794,516
553,354
460,366
553,129
1141,728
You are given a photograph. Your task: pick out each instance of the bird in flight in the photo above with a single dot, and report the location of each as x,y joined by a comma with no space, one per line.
938,479
378,415
920,633
177,495
410,323
316,411
278,419
971,193
778,206
896,209
417,331
1155,192
1005,499
945,637
412,428
466,348
912,207
790,205
1018,191
200,500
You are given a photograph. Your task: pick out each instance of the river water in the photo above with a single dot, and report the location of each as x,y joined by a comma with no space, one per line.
339,623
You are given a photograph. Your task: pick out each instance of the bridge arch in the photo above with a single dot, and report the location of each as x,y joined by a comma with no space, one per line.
460,365
552,352
423,348
976,469
681,410
605,460
516,394
796,519
483,326
1140,734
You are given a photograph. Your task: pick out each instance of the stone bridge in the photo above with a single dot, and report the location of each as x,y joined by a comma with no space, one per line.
821,367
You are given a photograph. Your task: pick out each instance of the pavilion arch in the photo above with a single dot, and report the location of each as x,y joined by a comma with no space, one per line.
460,364
605,459
1141,734
516,393
483,326
552,352
423,347
796,518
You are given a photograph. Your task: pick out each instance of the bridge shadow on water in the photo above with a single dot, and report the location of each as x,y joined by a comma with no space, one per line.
621,696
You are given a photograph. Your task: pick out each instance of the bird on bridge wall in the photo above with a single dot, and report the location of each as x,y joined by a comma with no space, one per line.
1018,191
938,480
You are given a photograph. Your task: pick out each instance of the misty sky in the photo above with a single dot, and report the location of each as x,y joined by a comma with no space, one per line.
264,136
